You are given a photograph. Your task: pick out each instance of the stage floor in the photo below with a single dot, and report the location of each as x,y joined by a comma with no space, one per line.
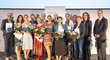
94,57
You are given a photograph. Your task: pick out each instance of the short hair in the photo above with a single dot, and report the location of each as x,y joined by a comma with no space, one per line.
100,10
59,18
32,15
87,15
49,16
18,19
11,14
74,15
79,17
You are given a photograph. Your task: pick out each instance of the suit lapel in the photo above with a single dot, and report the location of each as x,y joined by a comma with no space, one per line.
100,25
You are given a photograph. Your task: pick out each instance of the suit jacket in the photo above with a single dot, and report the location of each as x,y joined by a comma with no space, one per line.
3,26
101,28
33,22
82,30
88,28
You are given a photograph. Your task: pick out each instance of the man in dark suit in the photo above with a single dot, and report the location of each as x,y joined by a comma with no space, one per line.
7,27
100,29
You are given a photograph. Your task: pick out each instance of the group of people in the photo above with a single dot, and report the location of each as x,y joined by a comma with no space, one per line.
56,42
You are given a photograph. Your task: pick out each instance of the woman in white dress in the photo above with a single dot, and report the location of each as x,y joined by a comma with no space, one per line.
27,38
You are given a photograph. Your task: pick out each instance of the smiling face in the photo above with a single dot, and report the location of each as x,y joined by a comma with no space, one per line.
32,17
67,16
85,16
55,16
9,16
49,18
26,18
78,19
74,17
20,18
39,20
100,13
43,15
59,20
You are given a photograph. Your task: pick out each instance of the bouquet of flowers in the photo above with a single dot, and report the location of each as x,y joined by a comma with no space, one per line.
74,35
59,34
31,28
18,27
39,31
68,31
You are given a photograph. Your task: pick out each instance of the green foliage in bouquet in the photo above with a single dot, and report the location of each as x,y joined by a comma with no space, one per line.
31,28
18,27
39,31
57,35
71,35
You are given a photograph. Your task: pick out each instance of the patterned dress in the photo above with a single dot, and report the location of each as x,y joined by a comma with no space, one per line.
18,42
38,46
48,35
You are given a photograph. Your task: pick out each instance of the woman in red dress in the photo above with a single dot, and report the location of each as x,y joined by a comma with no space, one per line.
38,40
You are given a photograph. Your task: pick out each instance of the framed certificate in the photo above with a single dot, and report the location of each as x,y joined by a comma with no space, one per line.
8,26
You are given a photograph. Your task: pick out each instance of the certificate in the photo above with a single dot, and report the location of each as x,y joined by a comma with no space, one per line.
18,36
8,26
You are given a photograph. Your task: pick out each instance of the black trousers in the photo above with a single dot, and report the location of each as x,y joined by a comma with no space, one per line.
9,44
101,49
86,50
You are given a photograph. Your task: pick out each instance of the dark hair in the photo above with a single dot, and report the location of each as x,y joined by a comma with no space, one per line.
100,10
49,16
59,18
26,15
18,19
79,17
74,15
87,15
32,15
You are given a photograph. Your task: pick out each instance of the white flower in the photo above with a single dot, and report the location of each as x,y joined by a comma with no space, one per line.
59,32
36,29
69,28
31,27
69,31
42,30
74,33
77,30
